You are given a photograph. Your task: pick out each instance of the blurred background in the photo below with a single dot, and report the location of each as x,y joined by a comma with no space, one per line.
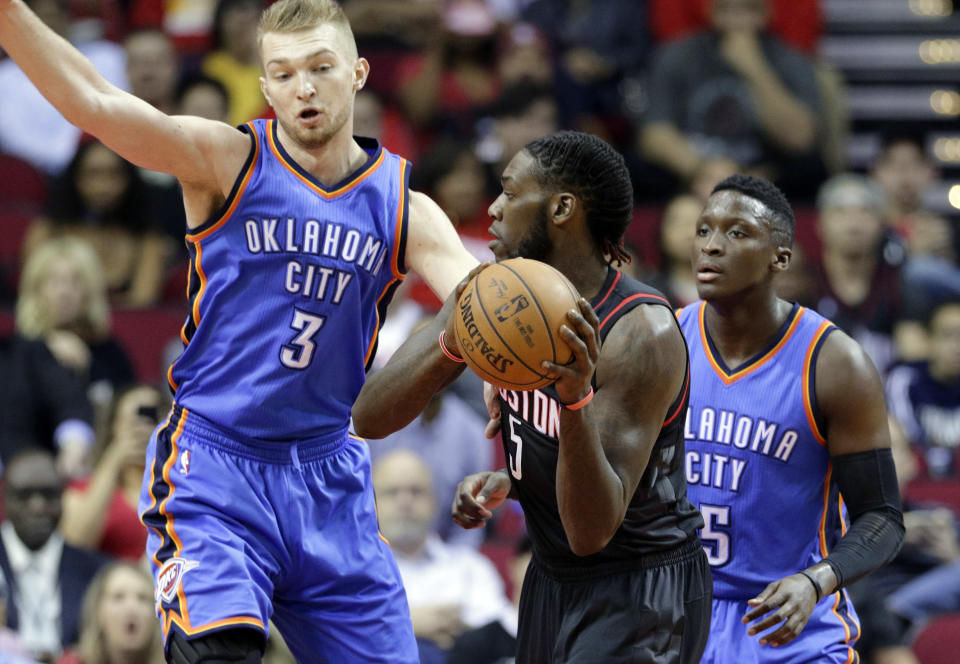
850,106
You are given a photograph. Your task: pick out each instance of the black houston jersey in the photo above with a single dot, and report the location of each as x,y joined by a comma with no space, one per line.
659,517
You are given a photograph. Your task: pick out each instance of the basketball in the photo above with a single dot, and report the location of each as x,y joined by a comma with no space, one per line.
508,321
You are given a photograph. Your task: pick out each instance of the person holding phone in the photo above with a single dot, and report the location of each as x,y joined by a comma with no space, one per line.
100,512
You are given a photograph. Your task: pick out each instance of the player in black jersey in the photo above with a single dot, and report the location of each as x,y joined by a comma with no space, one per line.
618,574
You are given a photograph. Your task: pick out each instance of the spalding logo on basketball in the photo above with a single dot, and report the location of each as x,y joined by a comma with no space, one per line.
508,321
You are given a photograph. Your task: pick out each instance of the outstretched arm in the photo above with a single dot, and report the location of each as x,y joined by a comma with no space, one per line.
605,445
185,147
850,396
395,394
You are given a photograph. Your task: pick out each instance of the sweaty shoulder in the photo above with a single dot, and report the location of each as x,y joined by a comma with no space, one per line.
849,394
645,340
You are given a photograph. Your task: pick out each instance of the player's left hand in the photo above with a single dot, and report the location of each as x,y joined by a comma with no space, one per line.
582,334
449,334
791,601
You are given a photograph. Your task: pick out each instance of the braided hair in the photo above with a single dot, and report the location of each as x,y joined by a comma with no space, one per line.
597,175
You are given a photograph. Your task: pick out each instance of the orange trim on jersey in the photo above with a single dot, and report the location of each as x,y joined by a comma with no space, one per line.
195,309
625,301
196,237
170,379
313,186
380,535
394,262
169,617
398,227
807,370
851,653
753,366
678,312
823,515
167,465
612,286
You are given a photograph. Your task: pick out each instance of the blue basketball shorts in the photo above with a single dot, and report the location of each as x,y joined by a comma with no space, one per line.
242,532
829,636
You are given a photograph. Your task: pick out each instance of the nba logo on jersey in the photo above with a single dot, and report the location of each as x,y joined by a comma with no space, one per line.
170,576
185,462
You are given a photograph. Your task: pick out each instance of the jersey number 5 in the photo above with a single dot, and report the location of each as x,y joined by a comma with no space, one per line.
299,352
514,459
716,542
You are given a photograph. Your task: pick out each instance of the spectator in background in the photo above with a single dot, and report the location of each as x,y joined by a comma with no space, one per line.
46,577
906,172
496,642
925,396
446,86
32,128
43,405
373,118
117,624
856,284
100,512
235,58
102,199
448,435
735,92
595,44
63,301
675,277
204,97
524,58
521,114
449,588
153,68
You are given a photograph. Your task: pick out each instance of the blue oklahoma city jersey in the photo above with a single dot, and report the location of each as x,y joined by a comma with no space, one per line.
756,460
288,288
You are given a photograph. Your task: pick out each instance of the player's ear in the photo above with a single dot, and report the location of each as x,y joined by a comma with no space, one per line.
360,72
781,259
562,207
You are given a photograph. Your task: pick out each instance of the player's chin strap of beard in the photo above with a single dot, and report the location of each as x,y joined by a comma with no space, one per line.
868,484
616,251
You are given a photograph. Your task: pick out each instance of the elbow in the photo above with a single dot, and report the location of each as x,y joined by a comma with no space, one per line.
366,426
587,543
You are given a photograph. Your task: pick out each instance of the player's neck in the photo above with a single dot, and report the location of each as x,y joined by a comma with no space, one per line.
743,326
329,163
586,273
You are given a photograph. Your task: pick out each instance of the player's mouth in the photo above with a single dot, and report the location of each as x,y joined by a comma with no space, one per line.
707,272
309,115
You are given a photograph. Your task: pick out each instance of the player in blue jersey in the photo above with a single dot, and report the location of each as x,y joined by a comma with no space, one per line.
618,574
258,502
787,440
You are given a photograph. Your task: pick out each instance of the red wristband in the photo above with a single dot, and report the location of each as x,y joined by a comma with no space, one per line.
580,404
446,352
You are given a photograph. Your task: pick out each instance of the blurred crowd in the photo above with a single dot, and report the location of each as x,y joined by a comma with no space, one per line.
93,269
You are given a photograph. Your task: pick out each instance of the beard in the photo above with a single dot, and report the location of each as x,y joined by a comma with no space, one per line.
311,138
536,244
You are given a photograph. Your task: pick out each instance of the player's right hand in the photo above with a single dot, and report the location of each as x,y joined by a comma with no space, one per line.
477,495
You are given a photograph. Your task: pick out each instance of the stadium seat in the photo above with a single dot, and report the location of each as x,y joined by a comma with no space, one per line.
144,333
22,188
938,642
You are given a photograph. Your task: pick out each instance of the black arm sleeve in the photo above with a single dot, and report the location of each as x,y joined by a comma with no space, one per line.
868,484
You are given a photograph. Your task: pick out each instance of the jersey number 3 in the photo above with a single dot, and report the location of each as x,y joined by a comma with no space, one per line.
299,352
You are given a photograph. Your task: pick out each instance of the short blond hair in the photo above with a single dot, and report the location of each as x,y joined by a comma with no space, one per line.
289,16
33,319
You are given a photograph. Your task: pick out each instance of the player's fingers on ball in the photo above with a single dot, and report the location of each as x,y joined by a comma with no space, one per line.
586,310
